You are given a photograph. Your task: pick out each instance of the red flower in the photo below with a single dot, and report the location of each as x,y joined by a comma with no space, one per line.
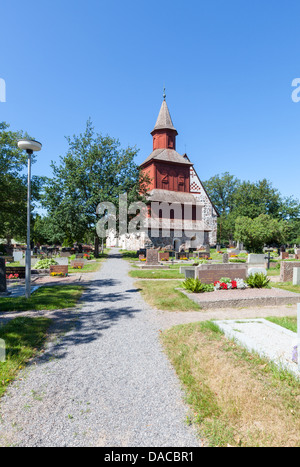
223,286
216,282
233,284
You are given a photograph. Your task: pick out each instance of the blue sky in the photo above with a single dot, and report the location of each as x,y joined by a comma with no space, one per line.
227,66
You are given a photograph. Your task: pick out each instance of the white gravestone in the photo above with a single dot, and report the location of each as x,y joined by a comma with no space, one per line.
296,276
256,259
255,270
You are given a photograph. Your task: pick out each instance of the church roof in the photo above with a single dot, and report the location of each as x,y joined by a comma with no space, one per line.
168,196
164,120
167,155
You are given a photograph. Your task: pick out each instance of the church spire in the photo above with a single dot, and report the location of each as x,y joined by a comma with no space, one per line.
164,133
164,120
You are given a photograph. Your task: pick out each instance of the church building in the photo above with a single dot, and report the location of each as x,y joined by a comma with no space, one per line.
181,214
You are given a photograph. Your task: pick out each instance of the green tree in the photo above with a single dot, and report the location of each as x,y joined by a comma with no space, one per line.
253,199
221,190
234,198
260,231
13,181
95,169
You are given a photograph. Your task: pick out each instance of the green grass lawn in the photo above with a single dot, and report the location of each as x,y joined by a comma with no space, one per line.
157,274
129,255
23,338
288,322
44,298
88,267
287,286
273,272
236,397
164,296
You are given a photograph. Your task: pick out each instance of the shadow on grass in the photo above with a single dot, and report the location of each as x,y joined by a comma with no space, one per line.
45,298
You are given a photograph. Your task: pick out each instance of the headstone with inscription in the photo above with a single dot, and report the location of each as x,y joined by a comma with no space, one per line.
152,256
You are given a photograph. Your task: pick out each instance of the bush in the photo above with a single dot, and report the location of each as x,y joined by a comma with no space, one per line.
45,263
258,280
196,286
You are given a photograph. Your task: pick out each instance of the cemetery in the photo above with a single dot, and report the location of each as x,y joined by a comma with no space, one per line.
150,295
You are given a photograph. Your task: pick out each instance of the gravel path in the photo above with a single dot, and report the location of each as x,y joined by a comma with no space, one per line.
106,382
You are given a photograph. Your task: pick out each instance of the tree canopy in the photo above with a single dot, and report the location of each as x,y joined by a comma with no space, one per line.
13,181
95,169
236,200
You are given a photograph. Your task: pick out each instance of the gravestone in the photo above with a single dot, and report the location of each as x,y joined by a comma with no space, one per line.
225,258
3,287
163,256
209,273
296,276
189,272
33,262
256,270
77,263
256,259
240,246
20,270
152,256
284,255
59,270
18,255
286,270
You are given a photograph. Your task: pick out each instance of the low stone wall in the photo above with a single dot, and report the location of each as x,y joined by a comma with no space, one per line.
209,273
286,270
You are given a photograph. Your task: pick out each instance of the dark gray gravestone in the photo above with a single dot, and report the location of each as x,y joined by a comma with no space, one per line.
225,258
152,256
3,287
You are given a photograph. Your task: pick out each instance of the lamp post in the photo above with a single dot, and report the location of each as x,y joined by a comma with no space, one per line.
29,146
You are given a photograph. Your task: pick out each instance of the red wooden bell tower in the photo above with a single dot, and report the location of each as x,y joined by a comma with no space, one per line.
167,169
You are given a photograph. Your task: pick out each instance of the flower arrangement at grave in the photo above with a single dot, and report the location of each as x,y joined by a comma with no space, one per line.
227,284
61,274
12,276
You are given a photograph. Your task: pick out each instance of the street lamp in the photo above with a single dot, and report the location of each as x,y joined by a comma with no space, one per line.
29,146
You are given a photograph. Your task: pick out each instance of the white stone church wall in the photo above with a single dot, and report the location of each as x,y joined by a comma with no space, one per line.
208,212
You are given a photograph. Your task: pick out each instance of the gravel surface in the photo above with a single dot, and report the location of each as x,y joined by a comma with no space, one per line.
106,382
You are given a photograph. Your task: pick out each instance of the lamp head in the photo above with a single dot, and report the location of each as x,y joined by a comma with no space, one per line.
29,145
